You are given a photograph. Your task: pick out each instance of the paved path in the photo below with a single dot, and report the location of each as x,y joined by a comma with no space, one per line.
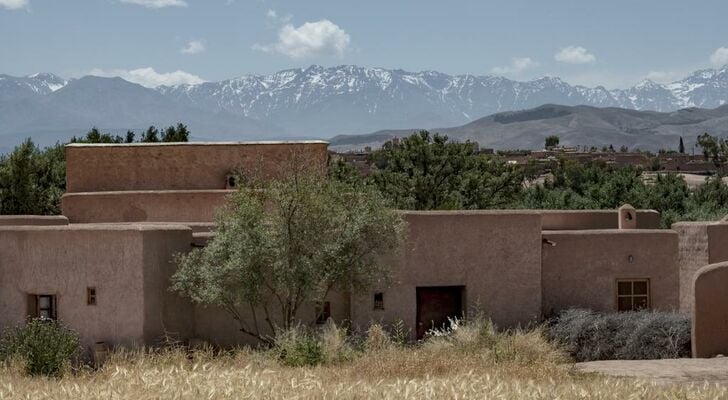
685,370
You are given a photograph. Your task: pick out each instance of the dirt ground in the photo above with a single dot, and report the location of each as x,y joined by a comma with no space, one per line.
686,370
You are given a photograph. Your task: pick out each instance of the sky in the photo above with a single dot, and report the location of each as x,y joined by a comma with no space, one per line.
612,43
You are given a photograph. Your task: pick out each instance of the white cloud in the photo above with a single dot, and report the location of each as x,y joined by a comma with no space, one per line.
193,47
275,19
149,77
518,64
14,4
310,39
157,3
719,57
574,55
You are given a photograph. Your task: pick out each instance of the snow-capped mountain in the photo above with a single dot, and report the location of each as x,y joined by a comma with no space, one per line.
352,99
317,102
27,86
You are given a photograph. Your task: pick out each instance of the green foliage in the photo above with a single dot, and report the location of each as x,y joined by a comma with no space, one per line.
637,335
32,181
552,141
289,242
428,172
714,149
178,133
46,347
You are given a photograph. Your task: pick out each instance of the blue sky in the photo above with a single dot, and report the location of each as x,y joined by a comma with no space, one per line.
615,43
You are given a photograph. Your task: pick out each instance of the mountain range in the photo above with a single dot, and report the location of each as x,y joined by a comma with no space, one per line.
318,102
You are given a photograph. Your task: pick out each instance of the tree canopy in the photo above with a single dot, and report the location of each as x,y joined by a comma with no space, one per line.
282,244
429,172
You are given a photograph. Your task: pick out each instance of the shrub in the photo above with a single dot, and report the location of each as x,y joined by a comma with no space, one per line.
46,347
638,335
298,347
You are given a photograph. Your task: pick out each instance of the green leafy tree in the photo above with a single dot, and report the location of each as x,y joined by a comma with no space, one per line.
714,149
681,146
151,135
32,181
287,243
178,133
428,172
552,141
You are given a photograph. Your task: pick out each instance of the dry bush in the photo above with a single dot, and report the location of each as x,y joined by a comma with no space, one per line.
639,335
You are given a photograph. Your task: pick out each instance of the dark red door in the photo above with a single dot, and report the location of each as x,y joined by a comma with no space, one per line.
435,305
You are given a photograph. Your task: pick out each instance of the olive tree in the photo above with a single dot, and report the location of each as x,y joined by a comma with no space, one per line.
290,242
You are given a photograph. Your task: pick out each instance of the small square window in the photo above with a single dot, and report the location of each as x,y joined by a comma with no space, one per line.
379,301
91,296
323,313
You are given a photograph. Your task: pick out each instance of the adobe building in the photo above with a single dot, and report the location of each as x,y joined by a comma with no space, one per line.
104,266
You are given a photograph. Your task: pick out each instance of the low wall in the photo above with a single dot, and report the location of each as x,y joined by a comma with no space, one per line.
495,255
182,166
33,220
710,311
197,206
559,220
581,268
127,265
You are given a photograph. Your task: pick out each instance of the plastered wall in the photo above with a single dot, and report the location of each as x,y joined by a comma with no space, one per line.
558,220
181,166
580,268
496,255
128,266
710,311
144,206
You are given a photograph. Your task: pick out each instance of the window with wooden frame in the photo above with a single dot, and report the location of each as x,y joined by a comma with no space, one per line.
323,312
42,306
379,301
633,294
91,296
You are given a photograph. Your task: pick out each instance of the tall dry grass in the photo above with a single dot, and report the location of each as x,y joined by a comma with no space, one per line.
469,362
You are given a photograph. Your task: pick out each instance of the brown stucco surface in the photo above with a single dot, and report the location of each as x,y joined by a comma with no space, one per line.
558,220
710,311
197,206
496,255
693,254
127,265
181,166
581,268
33,220
700,244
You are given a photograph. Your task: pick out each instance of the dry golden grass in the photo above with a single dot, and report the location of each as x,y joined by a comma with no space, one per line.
515,366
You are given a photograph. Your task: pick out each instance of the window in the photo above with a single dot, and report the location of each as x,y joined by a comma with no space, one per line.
633,294
379,301
91,296
323,312
42,306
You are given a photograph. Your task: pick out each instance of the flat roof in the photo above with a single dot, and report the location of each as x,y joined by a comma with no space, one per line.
260,142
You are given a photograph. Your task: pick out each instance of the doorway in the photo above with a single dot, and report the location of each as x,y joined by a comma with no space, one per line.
435,305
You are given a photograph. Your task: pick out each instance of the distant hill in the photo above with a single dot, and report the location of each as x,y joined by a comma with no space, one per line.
575,126
319,102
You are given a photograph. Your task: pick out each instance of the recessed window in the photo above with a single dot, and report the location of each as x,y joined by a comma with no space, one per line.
379,301
633,294
91,296
323,312
42,306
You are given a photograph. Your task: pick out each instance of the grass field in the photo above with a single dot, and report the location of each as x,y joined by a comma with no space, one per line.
512,366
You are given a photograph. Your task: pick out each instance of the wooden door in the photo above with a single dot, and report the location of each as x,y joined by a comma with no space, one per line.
435,305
